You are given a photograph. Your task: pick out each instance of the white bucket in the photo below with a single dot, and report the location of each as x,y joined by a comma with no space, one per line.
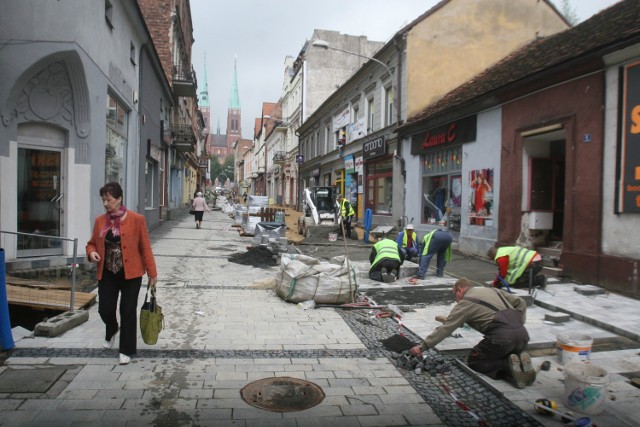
574,348
585,387
333,237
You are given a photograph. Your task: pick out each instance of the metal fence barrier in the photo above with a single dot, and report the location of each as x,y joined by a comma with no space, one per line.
45,241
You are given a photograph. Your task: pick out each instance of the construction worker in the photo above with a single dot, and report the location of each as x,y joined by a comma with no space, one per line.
407,241
514,264
346,213
386,259
436,242
500,317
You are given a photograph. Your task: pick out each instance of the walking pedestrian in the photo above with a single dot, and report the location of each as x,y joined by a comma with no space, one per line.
436,242
500,317
199,205
120,245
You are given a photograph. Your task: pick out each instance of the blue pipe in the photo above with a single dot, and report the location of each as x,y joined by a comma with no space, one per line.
6,339
368,217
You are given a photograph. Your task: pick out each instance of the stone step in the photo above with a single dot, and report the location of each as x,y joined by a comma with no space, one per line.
552,271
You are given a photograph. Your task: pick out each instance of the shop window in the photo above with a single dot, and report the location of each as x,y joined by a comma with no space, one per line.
116,147
379,187
149,184
442,187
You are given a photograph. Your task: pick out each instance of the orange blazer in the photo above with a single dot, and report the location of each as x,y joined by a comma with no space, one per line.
136,246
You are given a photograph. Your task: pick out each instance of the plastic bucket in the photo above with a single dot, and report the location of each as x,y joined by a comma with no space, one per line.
574,348
333,237
585,387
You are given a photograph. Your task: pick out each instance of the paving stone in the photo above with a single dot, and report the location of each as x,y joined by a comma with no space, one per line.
557,317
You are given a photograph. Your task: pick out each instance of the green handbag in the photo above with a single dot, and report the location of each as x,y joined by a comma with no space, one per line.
151,318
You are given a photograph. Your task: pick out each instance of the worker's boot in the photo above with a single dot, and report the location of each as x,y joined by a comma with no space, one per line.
515,370
385,275
393,275
527,368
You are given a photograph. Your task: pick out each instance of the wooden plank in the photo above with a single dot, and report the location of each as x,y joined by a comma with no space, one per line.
54,299
18,281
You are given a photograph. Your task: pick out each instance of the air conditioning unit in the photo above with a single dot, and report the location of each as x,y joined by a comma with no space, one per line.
541,220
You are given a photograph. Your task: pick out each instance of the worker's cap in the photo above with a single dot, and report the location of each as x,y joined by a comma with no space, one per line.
409,226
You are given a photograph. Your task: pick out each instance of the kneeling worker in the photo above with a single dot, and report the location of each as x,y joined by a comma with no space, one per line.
386,259
498,315
407,241
514,263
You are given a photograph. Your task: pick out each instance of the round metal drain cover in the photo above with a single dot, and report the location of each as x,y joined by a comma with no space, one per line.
282,394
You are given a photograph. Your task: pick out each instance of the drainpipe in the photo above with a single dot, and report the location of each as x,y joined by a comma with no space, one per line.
399,43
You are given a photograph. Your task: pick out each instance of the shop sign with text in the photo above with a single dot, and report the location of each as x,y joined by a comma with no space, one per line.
629,161
374,148
460,131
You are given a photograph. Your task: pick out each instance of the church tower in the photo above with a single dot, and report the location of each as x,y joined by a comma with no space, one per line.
234,117
203,104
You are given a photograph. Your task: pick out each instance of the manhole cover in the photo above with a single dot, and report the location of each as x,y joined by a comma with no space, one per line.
29,380
282,394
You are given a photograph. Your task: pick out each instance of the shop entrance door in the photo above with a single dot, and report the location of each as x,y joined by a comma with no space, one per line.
39,201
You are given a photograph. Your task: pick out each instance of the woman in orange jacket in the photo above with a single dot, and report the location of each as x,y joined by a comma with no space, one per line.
121,247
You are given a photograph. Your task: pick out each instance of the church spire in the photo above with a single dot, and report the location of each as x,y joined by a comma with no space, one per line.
203,99
234,99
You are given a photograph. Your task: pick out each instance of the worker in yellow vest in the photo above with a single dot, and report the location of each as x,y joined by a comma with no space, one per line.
514,264
346,213
407,241
437,242
386,259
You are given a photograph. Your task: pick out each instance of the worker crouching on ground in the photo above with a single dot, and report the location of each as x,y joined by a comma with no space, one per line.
407,241
386,259
346,214
514,264
498,315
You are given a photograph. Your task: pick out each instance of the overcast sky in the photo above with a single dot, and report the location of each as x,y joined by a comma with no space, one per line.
261,33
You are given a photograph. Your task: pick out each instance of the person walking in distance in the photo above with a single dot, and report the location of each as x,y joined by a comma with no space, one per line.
199,205
346,213
500,317
437,242
120,245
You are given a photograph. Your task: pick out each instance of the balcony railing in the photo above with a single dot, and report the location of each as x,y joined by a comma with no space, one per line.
184,81
279,157
182,137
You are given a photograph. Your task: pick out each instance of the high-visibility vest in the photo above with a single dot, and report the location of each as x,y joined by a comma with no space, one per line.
414,238
519,259
426,240
343,208
385,249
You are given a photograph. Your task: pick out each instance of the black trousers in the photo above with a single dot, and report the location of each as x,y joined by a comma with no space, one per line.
523,280
390,264
108,289
346,223
490,355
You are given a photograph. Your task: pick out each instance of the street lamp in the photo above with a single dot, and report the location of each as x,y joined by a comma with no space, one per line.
326,45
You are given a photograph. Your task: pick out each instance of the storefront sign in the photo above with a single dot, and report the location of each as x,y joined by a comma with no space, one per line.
629,162
348,164
457,132
374,148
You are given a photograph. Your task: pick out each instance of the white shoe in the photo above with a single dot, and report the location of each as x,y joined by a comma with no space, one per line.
109,343
124,359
